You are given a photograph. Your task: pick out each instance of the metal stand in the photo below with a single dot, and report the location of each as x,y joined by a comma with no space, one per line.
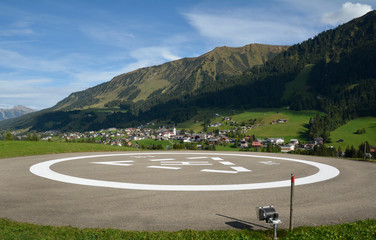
275,223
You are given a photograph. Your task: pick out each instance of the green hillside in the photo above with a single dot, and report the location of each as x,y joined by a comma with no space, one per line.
348,131
298,86
295,127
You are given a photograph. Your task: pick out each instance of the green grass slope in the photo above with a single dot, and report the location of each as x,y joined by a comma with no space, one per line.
347,133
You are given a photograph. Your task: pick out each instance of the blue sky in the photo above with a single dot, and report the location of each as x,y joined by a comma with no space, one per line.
49,49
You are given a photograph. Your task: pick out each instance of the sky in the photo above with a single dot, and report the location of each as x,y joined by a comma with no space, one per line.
52,48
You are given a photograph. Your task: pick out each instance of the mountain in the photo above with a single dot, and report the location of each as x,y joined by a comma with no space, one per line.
16,111
186,76
334,72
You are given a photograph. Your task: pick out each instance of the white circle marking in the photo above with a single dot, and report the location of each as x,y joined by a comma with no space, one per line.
43,169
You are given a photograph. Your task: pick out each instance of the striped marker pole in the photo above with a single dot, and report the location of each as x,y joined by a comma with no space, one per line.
292,201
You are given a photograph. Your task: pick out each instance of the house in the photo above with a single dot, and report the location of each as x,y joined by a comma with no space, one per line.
281,120
276,141
294,141
243,144
198,138
308,146
216,124
319,140
256,144
213,140
288,148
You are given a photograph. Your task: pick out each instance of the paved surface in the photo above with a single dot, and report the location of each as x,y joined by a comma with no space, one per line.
191,203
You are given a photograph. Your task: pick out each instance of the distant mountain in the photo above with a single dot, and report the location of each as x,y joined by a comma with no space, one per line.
334,72
16,111
187,76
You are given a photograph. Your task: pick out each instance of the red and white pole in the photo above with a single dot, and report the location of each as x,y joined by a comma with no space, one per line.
292,201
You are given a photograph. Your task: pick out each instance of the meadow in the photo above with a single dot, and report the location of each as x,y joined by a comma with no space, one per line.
10,149
348,134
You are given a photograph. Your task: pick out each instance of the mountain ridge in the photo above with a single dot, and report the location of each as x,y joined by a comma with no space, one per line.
14,112
146,84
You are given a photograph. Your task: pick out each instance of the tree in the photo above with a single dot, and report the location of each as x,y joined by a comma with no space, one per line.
9,136
326,136
339,151
35,137
206,124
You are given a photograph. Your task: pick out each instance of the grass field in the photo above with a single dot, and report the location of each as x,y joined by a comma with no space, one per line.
361,230
294,128
26,148
148,142
347,133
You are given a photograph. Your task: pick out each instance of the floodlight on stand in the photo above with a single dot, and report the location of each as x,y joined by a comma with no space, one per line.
270,215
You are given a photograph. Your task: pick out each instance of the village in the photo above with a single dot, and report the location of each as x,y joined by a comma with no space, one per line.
134,137
223,135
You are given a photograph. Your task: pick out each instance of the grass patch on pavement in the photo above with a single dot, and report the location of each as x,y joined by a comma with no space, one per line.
362,230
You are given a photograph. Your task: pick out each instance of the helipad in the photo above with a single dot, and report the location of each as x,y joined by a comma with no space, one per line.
175,190
209,163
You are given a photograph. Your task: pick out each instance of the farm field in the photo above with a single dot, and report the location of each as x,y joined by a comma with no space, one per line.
347,133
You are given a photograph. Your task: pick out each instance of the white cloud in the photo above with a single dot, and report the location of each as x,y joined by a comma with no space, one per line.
149,56
12,32
66,74
347,12
33,93
242,27
14,60
108,35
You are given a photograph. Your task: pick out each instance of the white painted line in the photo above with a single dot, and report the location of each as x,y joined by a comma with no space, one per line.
116,163
187,163
269,163
217,158
43,169
226,163
159,160
196,157
241,169
218,171
163,167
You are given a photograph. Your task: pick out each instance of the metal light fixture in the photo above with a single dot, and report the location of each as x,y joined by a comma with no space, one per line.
270,215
